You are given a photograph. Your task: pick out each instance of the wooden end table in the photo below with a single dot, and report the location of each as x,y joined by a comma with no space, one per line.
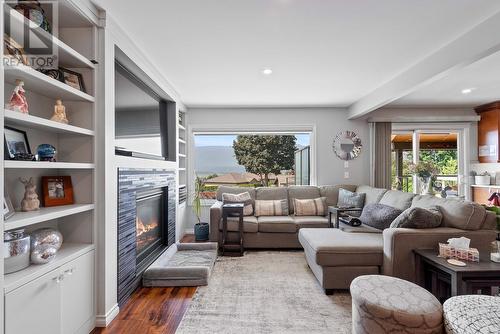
337,213
444,280
228,248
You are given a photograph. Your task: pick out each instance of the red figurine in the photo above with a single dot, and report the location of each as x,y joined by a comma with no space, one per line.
18,100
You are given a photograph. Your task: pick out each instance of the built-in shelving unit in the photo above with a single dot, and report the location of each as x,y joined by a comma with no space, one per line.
77,48
182,157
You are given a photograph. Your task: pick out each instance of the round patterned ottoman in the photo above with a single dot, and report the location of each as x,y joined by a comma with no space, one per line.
383,304
472,314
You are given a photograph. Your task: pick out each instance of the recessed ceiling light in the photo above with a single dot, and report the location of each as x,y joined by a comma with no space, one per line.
267,71
467,90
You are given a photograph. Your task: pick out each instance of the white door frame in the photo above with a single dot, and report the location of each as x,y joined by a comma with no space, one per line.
463,147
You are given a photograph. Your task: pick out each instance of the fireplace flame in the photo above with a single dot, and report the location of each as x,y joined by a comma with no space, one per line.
142,228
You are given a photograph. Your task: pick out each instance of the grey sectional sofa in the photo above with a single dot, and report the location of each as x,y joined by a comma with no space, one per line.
337,256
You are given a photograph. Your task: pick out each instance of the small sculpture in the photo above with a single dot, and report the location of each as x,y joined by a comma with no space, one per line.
18,100
45,242
46,152
59,113
30,201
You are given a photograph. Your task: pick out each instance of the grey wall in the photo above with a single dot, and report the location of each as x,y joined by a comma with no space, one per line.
328,122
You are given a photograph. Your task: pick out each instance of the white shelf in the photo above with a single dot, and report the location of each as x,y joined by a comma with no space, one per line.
47,165
38,82
181,185
67,56
23,219
17,118
182,141
496,186
182,169
182,127
68,252
182,155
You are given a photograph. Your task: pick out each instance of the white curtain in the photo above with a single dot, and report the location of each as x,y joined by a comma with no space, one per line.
380,154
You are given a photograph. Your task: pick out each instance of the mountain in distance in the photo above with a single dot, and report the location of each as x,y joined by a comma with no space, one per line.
216,159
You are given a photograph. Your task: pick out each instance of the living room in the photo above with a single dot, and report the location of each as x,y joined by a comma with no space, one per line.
272,166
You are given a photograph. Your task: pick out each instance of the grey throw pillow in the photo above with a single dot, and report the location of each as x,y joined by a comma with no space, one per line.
350,199
378,215
415,217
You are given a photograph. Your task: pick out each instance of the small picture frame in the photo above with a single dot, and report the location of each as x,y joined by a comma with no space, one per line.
57,190
8,208
15,143
72,79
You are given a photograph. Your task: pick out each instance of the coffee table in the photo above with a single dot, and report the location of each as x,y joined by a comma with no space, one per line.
446,280
337,213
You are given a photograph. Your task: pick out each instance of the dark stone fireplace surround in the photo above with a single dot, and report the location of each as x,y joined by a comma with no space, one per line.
132,182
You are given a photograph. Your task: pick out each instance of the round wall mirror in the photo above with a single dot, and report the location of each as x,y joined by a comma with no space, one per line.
347,145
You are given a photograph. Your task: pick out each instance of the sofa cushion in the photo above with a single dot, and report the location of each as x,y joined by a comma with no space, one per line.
271,207
379,215
397,199
235,190
244,198
310,207
372,195
276,224
301,192
460,214
416,217
350,199
249,224
271,193
310,221
334,247
332,193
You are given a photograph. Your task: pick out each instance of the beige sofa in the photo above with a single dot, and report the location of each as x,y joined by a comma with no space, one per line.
272,231
337,256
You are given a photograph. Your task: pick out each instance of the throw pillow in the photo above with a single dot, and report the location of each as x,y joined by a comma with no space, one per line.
244,198
378,215
271,207
415,217
310,207
350,199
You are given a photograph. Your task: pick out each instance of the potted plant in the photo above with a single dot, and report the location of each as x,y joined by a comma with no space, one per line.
201,229
426,172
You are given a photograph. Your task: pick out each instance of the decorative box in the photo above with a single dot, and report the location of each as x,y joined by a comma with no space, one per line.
446,251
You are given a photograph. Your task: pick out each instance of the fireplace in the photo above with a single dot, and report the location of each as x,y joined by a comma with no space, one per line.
149,223
146,223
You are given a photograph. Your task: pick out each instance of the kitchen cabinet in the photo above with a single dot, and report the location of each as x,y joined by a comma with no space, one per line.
488,136
61,301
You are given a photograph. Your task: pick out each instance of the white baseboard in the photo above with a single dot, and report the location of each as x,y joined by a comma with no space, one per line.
105,320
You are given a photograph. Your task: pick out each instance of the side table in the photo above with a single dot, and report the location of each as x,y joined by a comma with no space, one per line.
444,280
337,213
232,248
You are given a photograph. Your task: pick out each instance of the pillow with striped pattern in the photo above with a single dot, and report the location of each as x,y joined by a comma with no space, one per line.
310,207
244,198
271,207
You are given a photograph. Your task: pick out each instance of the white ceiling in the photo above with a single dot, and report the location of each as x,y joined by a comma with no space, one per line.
322,52
482,76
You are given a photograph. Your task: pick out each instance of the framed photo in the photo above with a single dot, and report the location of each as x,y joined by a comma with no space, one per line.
57,190
73,79
8,208
16,142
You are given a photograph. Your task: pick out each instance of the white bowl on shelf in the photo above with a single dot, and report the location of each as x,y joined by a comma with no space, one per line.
482,180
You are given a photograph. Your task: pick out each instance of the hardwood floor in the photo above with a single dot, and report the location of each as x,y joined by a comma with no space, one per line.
152,310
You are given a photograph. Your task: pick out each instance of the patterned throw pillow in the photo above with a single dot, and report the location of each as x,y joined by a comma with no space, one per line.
378,215
271,207
244,198
310,207
416,217
350,199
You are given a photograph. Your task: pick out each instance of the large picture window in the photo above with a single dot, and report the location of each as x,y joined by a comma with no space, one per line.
250,160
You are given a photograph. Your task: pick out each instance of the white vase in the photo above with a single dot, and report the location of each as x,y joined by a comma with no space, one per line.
426,186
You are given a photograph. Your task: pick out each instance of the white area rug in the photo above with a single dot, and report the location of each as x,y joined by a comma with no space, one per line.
265,292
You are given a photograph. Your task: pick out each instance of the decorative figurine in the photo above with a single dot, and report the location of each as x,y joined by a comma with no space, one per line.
59,113
46,152
30,201
45,242
18,100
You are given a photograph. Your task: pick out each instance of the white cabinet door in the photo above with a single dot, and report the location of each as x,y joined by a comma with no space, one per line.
35,307
77,291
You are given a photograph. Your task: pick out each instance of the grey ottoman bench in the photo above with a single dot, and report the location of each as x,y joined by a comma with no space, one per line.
183,264
472,314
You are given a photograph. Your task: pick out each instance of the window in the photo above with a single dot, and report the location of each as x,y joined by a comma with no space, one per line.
250,160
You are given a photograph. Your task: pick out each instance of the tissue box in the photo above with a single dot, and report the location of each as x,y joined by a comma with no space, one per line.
446,251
